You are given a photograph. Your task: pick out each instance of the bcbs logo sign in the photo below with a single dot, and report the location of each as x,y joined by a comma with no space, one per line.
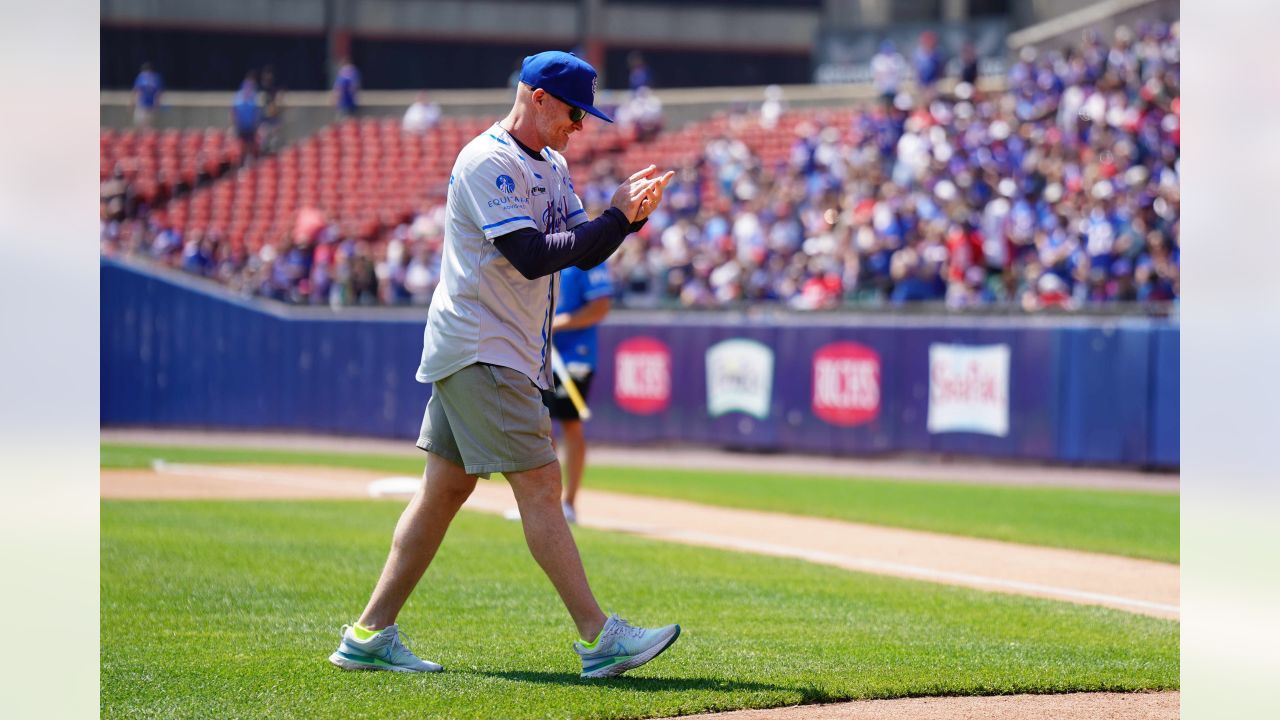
642,376
739,377
846,384
969,389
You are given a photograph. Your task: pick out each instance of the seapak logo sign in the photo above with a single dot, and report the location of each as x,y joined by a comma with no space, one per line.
846,384
739,378
969,389
642,375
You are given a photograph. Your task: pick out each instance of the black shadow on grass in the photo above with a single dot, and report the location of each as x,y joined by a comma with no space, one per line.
653,684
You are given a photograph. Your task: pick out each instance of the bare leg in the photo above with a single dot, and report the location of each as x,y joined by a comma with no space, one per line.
575,459
537,493
445,488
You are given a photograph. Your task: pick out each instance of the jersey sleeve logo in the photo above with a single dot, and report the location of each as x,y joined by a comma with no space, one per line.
505,184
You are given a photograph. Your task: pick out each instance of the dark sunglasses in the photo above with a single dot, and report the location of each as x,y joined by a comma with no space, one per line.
576,114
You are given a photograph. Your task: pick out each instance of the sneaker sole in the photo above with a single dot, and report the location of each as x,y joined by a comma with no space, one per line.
346,664
635,662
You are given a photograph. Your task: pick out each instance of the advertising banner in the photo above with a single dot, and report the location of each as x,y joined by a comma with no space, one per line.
1073,392
969,389
846,384
642,375
739,378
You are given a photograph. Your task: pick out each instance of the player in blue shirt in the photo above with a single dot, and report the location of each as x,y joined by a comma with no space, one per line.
581,306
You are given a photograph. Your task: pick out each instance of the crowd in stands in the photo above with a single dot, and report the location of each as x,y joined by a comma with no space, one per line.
1059,191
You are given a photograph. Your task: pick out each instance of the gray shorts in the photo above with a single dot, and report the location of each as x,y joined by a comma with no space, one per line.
488,418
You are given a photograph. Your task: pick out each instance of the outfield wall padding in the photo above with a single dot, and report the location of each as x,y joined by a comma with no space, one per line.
1078,391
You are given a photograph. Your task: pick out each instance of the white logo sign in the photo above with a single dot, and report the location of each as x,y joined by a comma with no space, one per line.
739,377
969,389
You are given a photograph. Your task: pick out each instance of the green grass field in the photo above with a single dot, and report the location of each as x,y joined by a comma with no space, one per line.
1134,524
229,609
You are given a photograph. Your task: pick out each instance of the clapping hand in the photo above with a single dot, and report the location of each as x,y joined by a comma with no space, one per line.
641,193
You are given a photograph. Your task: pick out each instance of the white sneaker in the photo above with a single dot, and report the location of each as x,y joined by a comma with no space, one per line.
569,513
383,651
622,647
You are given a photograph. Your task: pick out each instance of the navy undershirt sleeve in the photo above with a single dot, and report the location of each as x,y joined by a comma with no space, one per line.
536,254
604,251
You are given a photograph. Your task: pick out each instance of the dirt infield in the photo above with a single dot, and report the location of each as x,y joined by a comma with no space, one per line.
1139,586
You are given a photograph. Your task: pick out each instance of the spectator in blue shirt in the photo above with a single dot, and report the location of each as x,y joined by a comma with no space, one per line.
346,89
909,282
147,88
582,304
246,116
928,59
638,72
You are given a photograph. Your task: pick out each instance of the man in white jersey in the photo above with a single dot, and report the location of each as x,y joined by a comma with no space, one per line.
513,221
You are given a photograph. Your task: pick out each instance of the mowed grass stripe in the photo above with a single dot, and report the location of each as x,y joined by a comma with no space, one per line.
1133,524
229,609
116,457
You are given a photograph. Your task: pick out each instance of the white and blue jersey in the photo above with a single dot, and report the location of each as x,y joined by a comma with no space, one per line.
484,310
577,289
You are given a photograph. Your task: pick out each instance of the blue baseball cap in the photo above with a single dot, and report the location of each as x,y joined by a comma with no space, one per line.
565,76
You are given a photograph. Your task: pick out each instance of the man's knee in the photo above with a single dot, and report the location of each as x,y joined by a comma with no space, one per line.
447,479
453,494
540,485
